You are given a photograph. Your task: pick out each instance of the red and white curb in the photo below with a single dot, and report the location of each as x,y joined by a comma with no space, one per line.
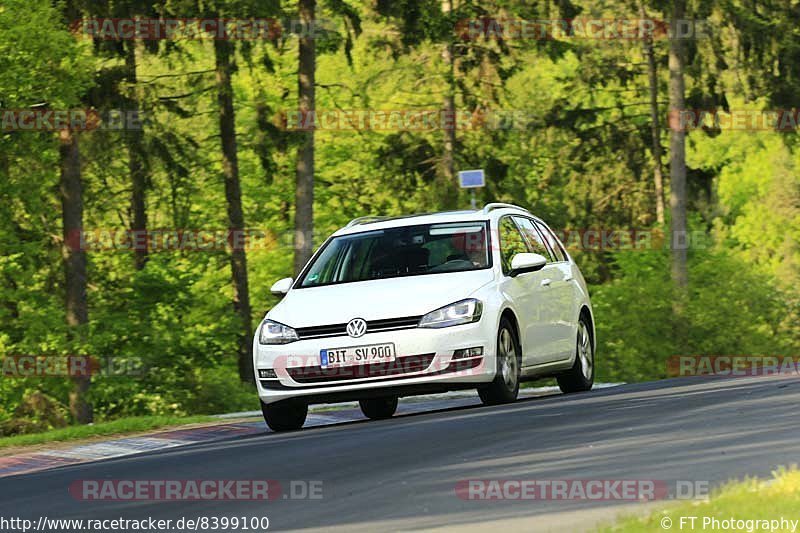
322,416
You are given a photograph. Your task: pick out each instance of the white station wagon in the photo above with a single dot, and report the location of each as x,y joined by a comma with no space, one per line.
398,306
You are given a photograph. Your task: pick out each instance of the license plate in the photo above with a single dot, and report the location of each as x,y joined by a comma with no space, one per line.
357,355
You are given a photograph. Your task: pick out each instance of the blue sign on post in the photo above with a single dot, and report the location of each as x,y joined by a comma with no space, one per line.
469,179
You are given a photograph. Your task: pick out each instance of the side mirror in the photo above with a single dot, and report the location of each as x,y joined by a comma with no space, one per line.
282,286
525,262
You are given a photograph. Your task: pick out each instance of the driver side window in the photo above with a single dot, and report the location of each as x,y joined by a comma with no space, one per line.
535,240
511,242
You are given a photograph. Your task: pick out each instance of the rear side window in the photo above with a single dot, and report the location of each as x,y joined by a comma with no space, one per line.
536,242
561,254
511,242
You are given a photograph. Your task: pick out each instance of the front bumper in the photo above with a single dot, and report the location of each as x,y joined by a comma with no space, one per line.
424,363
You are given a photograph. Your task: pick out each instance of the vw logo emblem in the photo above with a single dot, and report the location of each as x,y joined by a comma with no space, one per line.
357,327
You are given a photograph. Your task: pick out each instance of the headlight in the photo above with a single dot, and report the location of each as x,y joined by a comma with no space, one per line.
462,312
276,333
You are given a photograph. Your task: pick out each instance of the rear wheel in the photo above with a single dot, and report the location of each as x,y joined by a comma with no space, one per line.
580,377
505,387
285,415
378,408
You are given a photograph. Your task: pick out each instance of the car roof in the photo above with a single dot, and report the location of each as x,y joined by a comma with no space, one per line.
490,211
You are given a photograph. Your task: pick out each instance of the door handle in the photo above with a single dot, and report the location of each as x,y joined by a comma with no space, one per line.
546,282
568,278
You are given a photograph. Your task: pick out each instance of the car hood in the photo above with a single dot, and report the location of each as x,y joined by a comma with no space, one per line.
376,299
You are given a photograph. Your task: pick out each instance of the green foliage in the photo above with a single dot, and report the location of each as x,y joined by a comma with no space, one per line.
731,309
124,426
575,149
36,412
756,503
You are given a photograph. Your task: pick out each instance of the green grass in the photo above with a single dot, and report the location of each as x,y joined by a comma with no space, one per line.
116,427
752,500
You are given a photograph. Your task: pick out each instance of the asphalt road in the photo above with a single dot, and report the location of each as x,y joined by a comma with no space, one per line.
401,474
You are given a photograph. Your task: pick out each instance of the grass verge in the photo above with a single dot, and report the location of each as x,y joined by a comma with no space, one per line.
122,426
752,505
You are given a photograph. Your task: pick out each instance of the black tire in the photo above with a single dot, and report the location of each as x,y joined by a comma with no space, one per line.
579,378
505,387
285,415
379,408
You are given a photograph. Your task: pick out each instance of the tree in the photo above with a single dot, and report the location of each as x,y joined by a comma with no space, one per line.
137,161
677,166
304,181
74,260
225,67
129,97
312,31
223,50
652,78
45,68
447,185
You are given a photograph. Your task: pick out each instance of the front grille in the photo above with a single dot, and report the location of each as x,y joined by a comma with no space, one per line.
373,326
393,323
402,365
321,331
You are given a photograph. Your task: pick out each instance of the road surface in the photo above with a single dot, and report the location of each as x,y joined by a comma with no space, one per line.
401,474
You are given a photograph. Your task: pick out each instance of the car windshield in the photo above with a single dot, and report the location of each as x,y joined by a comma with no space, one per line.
405,251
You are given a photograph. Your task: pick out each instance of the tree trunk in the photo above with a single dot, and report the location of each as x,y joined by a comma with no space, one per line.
447,187
15,332
134,140
658,171
223,50
677,165
74,261
304,180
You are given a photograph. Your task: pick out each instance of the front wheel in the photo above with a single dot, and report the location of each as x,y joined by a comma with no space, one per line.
285,415
505,387
379,408
580,377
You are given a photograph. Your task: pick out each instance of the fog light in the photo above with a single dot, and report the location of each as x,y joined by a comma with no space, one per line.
267,373
468,352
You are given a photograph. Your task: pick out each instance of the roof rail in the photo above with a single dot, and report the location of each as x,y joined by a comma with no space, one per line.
499,205
364,220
